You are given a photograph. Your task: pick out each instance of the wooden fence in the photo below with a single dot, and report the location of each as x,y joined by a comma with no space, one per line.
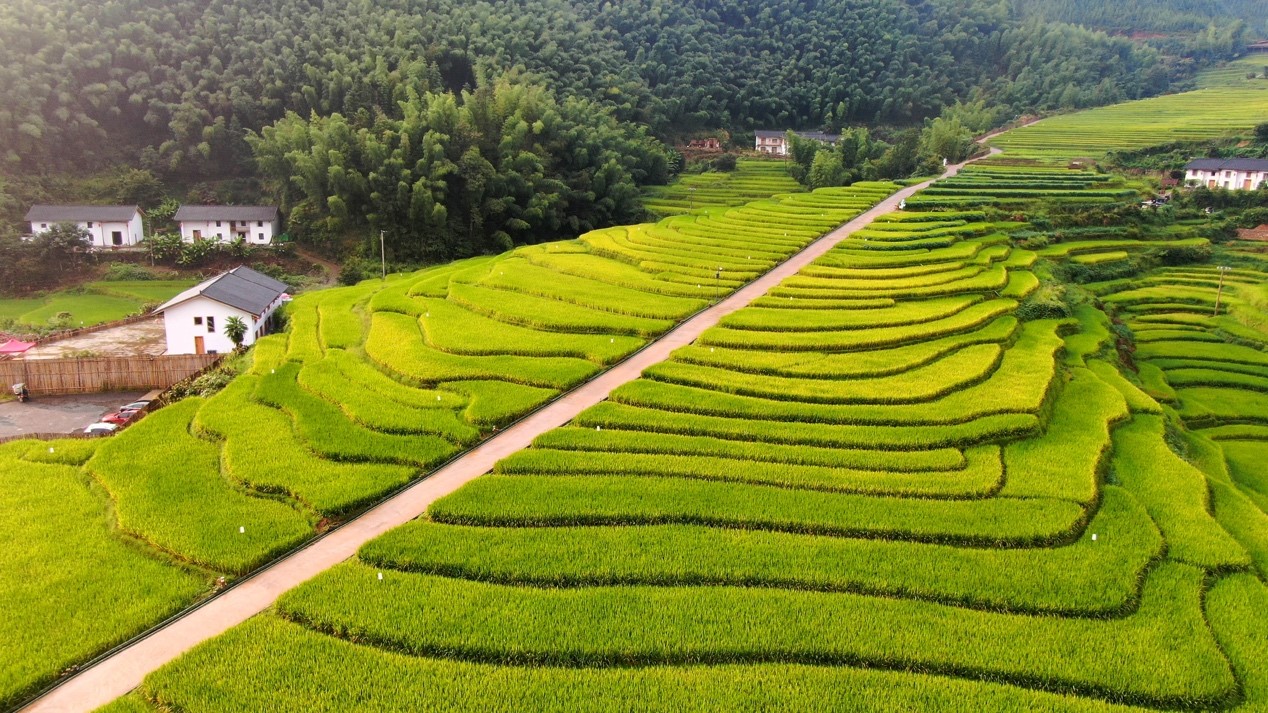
82,376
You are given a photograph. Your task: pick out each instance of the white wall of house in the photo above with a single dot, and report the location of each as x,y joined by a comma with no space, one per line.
1227,178
103,235
772,145
255,232
206,318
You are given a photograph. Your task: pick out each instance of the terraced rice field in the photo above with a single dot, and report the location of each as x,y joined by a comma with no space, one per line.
1006,185
371,388
1212,370
753,179
1201,114
1235,74
875,488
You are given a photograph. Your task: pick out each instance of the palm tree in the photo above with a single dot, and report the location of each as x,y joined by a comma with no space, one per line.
236,331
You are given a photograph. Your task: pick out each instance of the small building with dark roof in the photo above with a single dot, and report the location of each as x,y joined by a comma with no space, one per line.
195,319
776,142
108,226
254,224
1239,174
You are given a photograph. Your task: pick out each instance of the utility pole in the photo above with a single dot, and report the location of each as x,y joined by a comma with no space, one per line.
1219,291
383,256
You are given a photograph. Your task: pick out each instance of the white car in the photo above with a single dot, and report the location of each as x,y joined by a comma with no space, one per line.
100,429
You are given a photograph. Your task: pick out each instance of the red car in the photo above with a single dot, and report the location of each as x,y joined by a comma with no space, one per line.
119,417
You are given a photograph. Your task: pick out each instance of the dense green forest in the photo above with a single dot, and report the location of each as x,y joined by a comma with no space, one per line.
184,80
1148,16
189,89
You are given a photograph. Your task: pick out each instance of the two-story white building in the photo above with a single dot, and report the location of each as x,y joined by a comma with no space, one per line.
254,224
776,142
1239,174
195,319
109,226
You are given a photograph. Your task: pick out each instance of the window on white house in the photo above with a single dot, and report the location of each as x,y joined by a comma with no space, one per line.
217,224
198,321
43,226
90,224
259,224
211,324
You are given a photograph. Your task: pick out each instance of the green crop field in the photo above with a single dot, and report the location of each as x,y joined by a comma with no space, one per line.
752,179
879,487
1202,114
93,303
1237,74
371,388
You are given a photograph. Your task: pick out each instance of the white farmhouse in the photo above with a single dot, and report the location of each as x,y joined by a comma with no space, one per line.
255,224
195,319
776,142
110,226
1246,174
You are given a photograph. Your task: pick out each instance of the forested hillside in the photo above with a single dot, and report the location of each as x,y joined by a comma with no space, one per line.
178,84
1147,15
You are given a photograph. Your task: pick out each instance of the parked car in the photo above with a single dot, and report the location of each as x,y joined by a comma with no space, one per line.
135,406
119,417
100,429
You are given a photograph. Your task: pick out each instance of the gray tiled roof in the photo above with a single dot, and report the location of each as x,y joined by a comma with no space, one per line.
241,287
81,213
225,212
1228,164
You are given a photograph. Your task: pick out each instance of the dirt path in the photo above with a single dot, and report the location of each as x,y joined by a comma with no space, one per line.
123,671
332,268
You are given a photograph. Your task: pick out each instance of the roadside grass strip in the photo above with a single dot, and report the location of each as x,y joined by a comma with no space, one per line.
396,343
980,476
1087,578
1176,496
1163,653
976,431
1019,385
1068,460
224,675
972,317
956,371
72,585
262,451
168,490
554,501
822,365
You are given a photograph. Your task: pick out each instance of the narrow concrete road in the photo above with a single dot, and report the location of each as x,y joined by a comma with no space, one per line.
123,671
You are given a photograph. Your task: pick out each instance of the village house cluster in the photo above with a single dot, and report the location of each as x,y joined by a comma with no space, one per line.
120,226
